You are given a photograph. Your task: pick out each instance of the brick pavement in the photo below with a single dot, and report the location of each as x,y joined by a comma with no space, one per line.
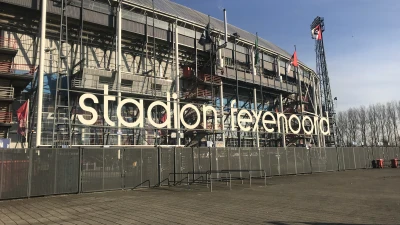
350,197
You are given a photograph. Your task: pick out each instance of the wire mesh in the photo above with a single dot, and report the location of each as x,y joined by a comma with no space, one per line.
14,173
168,164
291,160
274,159
331,159
132,167
40,172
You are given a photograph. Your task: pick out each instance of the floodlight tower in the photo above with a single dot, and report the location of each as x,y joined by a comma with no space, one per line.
317,28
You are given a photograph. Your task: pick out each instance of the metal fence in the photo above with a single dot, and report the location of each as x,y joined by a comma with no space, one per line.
41,172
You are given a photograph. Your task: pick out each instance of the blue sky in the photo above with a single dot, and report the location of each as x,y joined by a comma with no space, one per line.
361,39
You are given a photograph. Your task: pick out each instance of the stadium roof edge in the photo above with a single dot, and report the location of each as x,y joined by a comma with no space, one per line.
200,20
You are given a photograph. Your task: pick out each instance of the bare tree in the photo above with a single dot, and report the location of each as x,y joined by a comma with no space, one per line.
372,122
381,118
341,127
390,126
362,118
352,120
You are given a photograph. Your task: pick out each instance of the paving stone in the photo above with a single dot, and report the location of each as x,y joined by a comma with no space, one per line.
350,197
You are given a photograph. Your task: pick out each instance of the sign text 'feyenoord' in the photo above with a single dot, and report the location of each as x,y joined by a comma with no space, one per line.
243,116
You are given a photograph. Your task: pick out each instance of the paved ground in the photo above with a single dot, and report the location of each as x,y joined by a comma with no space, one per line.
351,197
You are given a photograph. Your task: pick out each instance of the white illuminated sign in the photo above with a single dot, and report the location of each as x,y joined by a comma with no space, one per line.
243,116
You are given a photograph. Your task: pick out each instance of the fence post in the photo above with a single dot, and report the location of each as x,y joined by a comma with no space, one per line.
80,169
310,158
279,161
102,174
159,163
1,171
55,170
354,157
193,162
337,158
29,172
209,158
295,160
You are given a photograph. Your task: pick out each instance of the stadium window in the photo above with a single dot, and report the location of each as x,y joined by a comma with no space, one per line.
228,61
156,87
126,82
105,80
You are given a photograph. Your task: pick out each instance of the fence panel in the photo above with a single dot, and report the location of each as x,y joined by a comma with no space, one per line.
184,162
167,160
245,159
150,166
255,161
360,157
132,167
302,161
357,155
377,153
331,159
291,161
54,171
318,159
283,162
113,169
349,158
390,153
274,160
221,159
201,158
92,174
265,160
369,157
234,161
14,173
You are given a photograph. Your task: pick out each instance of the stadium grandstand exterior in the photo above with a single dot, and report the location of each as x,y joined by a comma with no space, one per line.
145,50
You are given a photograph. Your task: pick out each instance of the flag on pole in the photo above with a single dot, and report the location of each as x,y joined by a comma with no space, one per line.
22,116
206,35
317,33
293,61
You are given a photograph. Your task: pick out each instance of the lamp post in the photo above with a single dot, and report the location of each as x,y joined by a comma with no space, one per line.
336,127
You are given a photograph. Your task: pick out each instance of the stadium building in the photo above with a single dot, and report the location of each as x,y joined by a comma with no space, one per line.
74,59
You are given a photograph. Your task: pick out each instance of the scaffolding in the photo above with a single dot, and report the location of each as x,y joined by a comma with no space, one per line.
161,56
317,29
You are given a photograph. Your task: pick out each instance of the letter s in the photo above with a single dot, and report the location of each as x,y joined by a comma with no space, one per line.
88,109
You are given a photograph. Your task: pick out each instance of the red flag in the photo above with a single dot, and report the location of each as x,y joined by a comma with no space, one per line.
22,114
293,61
317,33
163,118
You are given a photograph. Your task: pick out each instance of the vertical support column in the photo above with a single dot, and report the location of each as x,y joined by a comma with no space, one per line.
221,102
41,74
279,68
282,122
281,105
256,111
177,85
296,71
119,55
321,114
316,110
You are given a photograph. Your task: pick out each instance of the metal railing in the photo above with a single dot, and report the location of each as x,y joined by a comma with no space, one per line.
8,43
5,117
23,69
137,88
6,92
41,172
